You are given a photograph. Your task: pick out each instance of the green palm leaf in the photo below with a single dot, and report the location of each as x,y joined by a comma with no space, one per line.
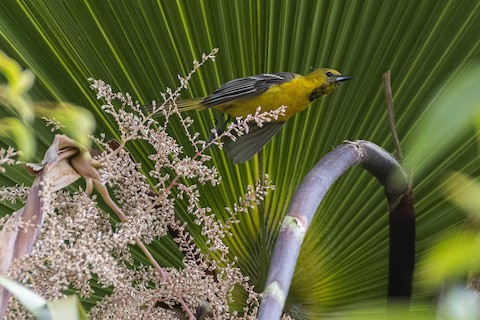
140,46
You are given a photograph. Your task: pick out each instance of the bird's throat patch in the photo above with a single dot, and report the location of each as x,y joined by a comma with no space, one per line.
318,92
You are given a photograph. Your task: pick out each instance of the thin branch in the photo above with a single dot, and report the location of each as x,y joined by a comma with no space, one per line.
391,114
123,217
185,308
306,201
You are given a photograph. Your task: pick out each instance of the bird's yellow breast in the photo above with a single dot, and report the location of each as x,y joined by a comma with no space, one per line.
293,94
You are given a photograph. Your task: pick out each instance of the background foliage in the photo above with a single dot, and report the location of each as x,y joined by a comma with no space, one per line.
140,46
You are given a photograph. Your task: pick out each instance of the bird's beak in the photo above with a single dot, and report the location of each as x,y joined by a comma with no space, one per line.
343,78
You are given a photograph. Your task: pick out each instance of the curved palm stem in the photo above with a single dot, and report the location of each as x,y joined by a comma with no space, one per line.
308,197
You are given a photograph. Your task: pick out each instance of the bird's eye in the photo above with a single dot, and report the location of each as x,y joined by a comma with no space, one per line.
329,74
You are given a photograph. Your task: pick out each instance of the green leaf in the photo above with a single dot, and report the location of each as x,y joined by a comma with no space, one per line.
75,121
19,81
67,308
18,84
30,300
464,191
19,133
448,118
454,255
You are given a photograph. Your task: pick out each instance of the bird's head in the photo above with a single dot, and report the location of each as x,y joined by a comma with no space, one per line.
326,81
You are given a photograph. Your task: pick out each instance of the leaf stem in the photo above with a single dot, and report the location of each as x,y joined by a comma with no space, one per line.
391,113
304,205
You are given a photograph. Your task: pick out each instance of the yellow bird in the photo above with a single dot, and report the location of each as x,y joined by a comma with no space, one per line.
240,97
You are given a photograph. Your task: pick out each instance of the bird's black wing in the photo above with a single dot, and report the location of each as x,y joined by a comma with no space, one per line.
246,87
246,146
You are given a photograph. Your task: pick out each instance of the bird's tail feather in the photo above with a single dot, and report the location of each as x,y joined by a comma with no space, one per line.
190,104
246,146
184,105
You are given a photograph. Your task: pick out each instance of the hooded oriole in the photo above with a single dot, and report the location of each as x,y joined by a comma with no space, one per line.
240,97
